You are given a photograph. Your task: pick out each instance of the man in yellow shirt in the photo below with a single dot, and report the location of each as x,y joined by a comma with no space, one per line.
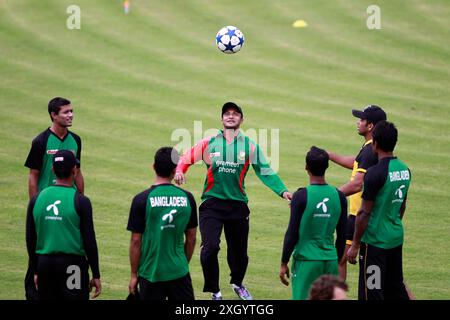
367,119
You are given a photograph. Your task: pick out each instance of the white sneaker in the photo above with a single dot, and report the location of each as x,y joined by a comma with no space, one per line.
216,296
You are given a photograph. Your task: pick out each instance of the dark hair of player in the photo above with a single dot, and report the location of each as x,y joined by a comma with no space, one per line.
55,105
62,172
385,135
166,160
317,161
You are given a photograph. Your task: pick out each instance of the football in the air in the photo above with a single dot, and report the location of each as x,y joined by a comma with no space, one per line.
229,39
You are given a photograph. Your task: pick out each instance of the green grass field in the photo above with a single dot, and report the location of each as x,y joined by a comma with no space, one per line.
134,79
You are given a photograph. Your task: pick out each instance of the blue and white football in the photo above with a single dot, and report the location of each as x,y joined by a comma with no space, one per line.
229,39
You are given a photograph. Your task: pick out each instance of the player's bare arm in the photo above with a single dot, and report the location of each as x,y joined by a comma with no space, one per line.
79,181
353,186
189,244
344,161
33,183
362,219
403,208
135,255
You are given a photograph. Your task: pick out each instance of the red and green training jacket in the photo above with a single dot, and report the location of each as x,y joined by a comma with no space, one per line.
227,165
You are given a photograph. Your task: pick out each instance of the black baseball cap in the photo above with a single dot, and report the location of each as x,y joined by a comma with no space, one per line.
231,105
371,113
64,160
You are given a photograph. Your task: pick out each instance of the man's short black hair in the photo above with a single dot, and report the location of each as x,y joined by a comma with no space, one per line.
55,105
166,160
317,161
385,134
62,173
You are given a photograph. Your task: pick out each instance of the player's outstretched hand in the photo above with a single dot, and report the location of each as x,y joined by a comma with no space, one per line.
287,195
284,272
98,287
352,253
179,178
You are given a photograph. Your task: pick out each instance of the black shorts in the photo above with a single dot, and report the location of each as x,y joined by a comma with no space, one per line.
62,277
381,274
178,289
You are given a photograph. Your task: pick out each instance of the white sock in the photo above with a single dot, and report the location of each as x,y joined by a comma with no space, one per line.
235,286
217,294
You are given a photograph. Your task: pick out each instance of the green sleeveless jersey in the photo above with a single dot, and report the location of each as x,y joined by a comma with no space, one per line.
168,211
386,184
318,223
43,148
57,222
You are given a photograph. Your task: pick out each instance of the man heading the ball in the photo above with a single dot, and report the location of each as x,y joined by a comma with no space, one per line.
227,156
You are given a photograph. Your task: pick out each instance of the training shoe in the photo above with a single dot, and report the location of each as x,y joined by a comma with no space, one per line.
216,296
242,292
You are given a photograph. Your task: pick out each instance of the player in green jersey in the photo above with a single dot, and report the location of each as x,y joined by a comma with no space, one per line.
39,160
46,144
228,156
316,212
163,222
379,229
60,237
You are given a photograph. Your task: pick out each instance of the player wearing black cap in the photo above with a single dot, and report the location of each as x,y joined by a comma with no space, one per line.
228,156
367,119
60,237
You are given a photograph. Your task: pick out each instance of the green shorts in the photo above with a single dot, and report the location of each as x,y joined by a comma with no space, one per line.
304,273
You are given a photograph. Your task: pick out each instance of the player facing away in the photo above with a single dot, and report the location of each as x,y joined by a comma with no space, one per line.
379,229
60,237
39,160
163,225
228,156
316,212
367,119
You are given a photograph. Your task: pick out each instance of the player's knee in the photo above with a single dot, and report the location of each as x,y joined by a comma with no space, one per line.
209,251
